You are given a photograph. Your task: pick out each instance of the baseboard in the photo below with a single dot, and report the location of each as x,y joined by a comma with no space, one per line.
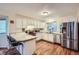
70,49
48,41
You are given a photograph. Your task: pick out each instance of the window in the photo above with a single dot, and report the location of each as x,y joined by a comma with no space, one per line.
52,26
3,26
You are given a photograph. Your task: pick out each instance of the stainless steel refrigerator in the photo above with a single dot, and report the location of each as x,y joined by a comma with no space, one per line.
70,32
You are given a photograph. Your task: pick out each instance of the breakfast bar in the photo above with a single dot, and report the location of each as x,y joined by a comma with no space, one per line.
28,41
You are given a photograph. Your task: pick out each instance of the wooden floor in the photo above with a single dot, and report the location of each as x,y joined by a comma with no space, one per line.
46,48
11,51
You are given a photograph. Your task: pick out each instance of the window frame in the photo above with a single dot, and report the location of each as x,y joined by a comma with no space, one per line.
52,23
4,18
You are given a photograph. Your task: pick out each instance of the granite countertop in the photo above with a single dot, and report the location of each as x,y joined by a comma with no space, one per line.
57,33
23,37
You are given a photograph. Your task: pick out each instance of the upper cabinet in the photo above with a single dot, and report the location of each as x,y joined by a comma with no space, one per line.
24,22
18,23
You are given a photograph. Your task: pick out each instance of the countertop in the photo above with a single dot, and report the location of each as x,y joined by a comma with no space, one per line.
57,33
22,37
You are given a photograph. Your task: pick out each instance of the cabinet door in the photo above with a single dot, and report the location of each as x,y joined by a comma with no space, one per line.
57,38
28,22
24,23
35,23
39,35
45,37
50,37
19,23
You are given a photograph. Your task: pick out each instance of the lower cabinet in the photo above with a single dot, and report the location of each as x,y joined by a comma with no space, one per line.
39,36
48,37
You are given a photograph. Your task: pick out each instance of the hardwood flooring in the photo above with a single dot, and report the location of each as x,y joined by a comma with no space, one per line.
43,48
46,48
11,51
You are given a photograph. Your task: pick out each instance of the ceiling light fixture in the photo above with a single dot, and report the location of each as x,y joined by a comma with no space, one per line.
45,13
45,10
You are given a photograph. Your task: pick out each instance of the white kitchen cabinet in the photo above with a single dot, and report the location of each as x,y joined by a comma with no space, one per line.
45,36
19,23
35,23
28,22
50,38
24,23
58,39
39,36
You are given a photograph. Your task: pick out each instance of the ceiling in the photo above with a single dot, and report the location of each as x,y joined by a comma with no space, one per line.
34,9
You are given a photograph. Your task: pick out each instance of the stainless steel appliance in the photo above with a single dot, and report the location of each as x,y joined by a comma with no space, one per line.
70,32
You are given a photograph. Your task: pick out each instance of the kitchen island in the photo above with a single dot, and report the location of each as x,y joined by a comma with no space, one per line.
28,41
